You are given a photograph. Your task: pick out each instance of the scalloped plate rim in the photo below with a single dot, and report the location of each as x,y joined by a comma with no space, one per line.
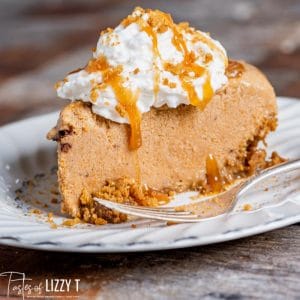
137,247
184,242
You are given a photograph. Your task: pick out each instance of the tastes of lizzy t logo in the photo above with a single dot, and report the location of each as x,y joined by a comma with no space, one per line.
17,284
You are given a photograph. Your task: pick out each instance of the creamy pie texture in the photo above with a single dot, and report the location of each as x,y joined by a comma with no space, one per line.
147,61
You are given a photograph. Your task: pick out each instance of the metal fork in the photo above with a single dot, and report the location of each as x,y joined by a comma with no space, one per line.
279,174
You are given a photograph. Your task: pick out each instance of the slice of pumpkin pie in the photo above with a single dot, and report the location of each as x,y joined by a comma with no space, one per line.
158,109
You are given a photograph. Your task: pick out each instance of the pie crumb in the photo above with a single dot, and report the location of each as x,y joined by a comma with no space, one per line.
71,222
247,207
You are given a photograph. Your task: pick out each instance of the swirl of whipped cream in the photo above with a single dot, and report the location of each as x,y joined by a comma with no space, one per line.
162,62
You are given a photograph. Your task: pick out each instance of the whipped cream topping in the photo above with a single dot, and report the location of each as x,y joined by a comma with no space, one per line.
148,61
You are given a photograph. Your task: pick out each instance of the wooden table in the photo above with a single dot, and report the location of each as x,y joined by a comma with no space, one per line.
42,40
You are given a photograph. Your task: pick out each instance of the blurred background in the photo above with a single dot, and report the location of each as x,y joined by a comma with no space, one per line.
40,41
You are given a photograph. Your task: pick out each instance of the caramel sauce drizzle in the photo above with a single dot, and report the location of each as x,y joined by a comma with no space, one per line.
234,69
152,34
188,69
213,176
126,98
138,173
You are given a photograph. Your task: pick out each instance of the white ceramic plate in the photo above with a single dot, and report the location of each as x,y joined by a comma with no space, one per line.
26,154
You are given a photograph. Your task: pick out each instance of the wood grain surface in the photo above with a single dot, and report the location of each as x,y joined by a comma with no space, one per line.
40,41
